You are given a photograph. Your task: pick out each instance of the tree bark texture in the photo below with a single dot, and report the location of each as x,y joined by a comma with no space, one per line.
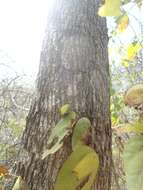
73,69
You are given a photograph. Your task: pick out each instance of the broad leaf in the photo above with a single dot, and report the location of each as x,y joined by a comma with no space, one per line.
62,129
81,132
85,166
123,23
77,168
65,109
133,163
110,8
134,95
136,127
131,52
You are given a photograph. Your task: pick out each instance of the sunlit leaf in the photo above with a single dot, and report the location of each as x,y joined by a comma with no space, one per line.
115,121
110,8
136,127
76,168
125,63
123,23
132,51
65,109
133,163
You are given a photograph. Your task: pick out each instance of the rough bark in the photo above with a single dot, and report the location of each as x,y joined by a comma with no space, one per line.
73,69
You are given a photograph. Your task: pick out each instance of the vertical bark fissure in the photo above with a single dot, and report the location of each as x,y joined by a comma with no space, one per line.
73,69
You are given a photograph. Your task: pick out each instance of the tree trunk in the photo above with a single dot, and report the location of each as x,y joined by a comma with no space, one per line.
73,69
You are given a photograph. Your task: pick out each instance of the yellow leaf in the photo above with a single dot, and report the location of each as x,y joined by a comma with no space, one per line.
132,50
123,24
125,63
83,163
115,121
85,166
110,8
65,109
136,127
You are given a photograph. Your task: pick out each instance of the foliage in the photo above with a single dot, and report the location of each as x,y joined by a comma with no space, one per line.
126,70
134,96
136,127
133,153
123,23
64,110
60,131
80,168
133,163
81,132
110,8
4,174
82,163
125,53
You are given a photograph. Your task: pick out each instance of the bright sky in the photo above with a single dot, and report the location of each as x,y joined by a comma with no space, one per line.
22,26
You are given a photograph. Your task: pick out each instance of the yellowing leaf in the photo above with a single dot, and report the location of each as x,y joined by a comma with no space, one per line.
110,8
133,163
3,170
136,127
73,171
134,95
115,121
65,109
85,166
123,24
125,63
132,50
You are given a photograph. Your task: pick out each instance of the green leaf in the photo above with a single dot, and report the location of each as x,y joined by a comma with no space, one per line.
81,131
62,129
20,184
65,109
133,163
76,168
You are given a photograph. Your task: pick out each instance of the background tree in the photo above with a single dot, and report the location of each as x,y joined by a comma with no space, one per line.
73,69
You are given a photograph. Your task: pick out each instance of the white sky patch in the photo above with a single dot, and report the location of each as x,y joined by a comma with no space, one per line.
22,26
